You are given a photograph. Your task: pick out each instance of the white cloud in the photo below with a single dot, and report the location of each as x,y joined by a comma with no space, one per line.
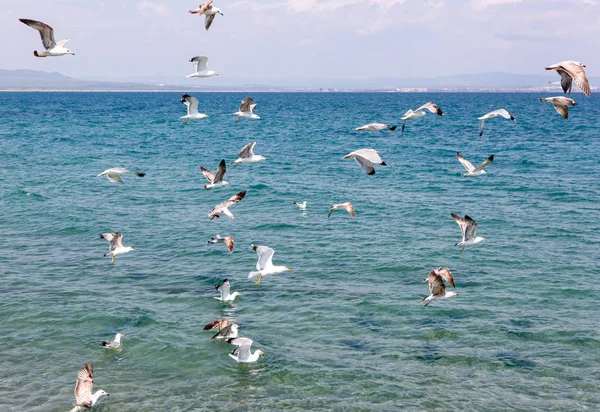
158,9
484,4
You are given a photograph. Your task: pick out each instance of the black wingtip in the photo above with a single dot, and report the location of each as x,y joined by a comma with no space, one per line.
481,133
383,164
393,128
491,158
512,117
371,173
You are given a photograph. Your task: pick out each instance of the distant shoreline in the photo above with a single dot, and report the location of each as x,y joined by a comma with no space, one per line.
246,90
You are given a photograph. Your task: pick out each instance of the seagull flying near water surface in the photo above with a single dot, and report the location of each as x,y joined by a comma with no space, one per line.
472,170
224,287
561,104
264,265
116,245
437,288
201,67
491,115
51,47
339,206
247,155
223,207
228,241
243,353
365,158
372,127
192,109
114,174
468,227
420,112
570,70
84,398
246,110
215,180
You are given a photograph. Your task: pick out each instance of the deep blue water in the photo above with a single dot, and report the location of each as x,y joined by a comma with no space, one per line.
345,329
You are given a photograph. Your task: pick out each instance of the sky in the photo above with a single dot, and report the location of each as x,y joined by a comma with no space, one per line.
305,39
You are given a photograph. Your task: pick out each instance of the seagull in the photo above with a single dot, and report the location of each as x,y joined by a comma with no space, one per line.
215,180
224,288
376,127
348,206
472,170
209,12
437,288
265,266
217,324
468,228
116,245
227,240
192,109
114,174
223,207
491,115
201,67
561,104
228,332
243,353
51,47
246,110
84,399
365,158
114,344
247,155
570,70
420,112
301,206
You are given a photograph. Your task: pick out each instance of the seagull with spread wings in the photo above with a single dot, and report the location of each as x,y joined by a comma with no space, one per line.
342,206
374,127
365,158
209,13
223,207
246,110
116,245
264,265
228,241
491,115
570,70
224,288
247,155
84,398
561,104
201,67
215,180
228,332
468,227
472,170
420,112
437,288
243,353
114,174
192,109
51,47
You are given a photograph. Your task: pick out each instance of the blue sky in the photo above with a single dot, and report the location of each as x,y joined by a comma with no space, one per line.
313,39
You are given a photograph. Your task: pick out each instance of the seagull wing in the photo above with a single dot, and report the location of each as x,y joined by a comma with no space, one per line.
191,102
246,103
217,324
350,209
365,164
233,199
208,175
371,155
201,63
461,223
578,74
446,274
468,165
206,6
226,330
247,151
84,386
504,113
208,19
470,228
224,287
265,256
230,243
432,107
221,169
46,32
115,239
563,110
436,284
484,164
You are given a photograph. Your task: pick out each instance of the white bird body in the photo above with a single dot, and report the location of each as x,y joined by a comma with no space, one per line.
51,47
420,112
347,206
247,155
246,110
472,170
561,104
365,158
264,265
114,174
116,245
301,206
468,228
500,112
201,67
224,288
113,344
192,109
215,180
244,353
372,127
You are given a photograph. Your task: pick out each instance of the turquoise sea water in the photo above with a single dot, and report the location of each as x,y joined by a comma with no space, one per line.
345,329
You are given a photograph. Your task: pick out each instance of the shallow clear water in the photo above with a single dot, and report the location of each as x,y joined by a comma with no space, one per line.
345,330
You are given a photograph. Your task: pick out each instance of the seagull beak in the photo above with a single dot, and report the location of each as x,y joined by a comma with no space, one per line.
289,270
377,151
346,157
262,353
122,335
216,74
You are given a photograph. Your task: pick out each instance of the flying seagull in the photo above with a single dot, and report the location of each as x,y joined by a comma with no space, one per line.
114,174
264,265
468,227
301,206
376,127
51,47
217,324
114,344
201,67
472,170
229,242
223,207
243,353
420,112
215,180
247,155
224,287
192,109
348,206
365,158
437,288
491,115
561,104
209,12
570,70
228,332
84,398
116,245
246,110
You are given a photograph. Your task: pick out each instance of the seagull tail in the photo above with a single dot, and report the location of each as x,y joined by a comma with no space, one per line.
393,128
253,275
